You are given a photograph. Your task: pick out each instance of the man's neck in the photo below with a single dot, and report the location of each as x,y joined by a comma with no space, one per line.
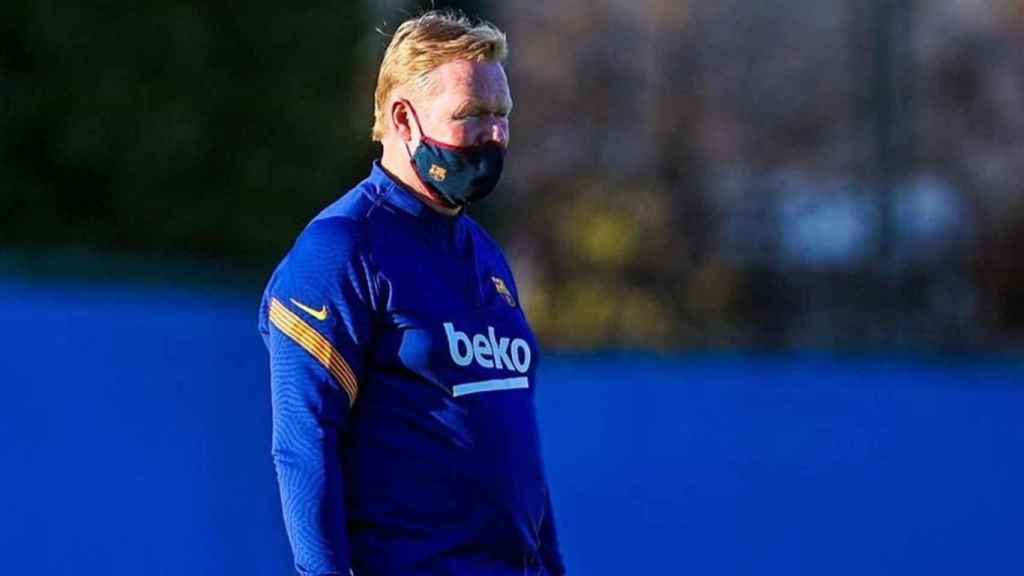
397,162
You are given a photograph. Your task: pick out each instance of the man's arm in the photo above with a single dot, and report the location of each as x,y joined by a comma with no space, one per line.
309,413
550,553
316,321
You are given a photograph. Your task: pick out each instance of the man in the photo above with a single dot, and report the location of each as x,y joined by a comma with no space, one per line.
402,365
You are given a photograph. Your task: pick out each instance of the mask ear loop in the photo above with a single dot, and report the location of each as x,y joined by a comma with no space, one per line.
427,185
419,126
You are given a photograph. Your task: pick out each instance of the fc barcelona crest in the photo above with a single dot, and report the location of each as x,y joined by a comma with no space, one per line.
499,285
437,173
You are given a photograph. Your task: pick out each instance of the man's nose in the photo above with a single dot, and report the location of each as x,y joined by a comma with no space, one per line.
498,132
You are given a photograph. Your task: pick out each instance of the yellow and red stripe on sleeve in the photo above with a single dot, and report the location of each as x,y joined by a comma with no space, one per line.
313,342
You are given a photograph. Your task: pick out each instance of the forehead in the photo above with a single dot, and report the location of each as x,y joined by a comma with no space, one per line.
459,81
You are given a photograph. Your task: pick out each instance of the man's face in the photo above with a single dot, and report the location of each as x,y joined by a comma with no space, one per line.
467,104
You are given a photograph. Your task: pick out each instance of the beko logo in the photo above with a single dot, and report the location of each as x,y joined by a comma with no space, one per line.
488,351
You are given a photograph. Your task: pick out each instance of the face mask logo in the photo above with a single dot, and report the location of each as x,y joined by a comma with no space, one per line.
437,173
460,175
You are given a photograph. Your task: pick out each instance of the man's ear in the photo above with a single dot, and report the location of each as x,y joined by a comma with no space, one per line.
401,120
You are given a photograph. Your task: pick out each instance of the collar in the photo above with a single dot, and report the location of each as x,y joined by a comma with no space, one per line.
394,193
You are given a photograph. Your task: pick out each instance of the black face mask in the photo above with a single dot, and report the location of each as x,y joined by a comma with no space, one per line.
459,174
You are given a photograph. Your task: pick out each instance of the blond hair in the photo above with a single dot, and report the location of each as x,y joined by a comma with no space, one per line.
420,45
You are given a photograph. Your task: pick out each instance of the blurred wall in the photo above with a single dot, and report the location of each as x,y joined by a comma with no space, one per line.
137,439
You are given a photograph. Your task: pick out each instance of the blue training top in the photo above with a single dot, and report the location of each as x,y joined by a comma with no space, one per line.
402,374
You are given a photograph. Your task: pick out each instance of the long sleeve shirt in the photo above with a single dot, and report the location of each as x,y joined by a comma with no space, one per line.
403,371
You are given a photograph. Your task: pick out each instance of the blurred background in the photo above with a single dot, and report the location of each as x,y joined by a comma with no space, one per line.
773,250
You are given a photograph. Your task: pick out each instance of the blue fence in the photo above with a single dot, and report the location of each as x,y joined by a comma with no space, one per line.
136,427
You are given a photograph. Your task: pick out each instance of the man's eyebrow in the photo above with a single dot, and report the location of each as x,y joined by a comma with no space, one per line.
473,106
